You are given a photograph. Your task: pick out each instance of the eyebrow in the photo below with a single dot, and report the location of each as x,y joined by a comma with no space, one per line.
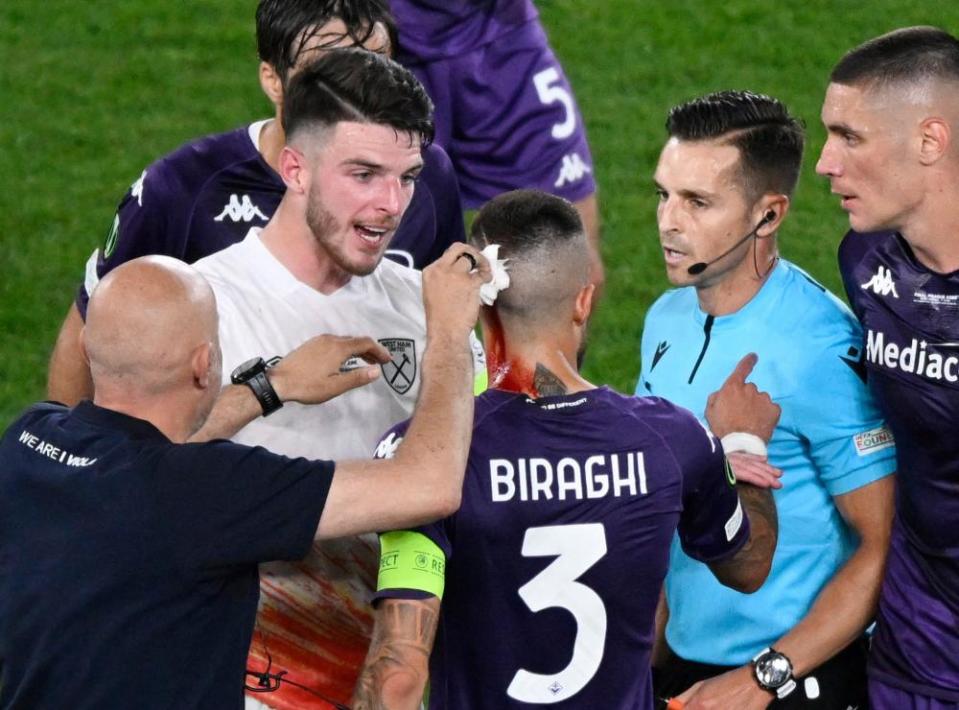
684,192
844,128
369,165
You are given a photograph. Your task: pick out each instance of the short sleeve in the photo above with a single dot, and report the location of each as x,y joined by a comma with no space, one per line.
712,525
837,415
141,226
237,505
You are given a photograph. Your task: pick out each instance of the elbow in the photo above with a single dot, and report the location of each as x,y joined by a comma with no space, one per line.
448,504
752,580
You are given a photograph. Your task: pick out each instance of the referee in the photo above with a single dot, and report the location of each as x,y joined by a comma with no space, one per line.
129,550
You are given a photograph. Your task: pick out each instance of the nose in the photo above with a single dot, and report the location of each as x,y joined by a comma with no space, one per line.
828,164
391,196
666,217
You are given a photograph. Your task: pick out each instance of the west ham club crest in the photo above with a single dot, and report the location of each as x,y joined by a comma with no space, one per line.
400,372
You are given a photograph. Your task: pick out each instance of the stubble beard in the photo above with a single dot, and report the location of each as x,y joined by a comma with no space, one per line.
323,224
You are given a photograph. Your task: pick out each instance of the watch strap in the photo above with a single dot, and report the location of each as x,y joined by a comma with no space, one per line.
264,393
783,689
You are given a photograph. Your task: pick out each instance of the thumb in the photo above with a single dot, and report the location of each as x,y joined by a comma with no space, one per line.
743,368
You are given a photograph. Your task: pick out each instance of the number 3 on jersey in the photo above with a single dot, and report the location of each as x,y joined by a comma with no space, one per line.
577,547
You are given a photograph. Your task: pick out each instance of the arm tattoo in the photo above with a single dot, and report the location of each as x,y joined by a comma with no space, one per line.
763,524
546,383
400,649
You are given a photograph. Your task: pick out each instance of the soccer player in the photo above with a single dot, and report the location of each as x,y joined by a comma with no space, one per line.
128,558
724,179
207,194
505,111
550,572
356,123
892,116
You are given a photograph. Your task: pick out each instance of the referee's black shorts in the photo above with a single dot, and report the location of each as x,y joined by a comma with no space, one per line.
840,682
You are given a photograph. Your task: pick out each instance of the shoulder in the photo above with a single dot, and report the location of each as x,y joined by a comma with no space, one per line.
815,310
672,302
34,413
192,164
855,246
231,270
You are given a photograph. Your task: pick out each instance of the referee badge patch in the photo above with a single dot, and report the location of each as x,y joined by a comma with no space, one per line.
400,371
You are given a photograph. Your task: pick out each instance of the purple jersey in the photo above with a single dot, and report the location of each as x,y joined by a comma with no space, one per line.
557,555
504,129
910,317
206,195
434,29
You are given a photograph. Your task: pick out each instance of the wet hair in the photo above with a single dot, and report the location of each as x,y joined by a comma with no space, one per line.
543,237
284,27
355,85
910,54
769,139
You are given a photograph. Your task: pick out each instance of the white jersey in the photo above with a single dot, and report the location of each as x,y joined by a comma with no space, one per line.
265,311
314,619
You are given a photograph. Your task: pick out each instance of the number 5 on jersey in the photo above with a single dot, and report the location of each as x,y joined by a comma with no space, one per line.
577,547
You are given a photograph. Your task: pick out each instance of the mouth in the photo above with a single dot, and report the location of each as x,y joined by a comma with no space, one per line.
845,200
372,235
673,256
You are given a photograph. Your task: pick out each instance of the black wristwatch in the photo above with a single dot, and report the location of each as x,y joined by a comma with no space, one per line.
252,373
774,672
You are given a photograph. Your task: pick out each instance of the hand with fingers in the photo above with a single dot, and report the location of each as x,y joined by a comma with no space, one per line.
451,287
755,470
739,406
313,372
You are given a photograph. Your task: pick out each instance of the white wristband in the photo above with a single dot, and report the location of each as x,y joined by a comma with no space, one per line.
744,441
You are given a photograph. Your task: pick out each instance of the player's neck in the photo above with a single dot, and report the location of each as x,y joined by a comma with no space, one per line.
271,142
735,289
933,235
165,414
537,367
288,238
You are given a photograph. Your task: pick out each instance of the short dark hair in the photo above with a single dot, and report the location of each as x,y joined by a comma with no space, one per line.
523,220
905,55
283,27
352,84
543,239
769,139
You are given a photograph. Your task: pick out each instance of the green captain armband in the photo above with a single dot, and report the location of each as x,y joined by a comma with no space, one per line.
480,382
410,560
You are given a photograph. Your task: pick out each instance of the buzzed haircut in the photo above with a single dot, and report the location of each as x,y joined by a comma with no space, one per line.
355,85
543,238
910,54
769,139
284,27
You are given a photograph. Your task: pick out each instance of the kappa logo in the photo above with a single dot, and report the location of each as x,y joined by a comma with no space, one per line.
387,448
658,355
240,210
881,283
400,371
572,169
136,189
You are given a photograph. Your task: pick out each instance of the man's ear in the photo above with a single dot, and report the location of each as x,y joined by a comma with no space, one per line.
584,304
935,137
294,170
271,84
201,363
773,211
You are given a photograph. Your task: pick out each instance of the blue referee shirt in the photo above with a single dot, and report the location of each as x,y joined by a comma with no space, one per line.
829,441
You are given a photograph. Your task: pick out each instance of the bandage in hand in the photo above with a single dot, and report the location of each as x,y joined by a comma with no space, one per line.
490,289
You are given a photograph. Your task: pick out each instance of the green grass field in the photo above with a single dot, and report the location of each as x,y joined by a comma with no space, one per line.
93,91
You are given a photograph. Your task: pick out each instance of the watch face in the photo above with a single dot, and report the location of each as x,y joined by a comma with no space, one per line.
247,370
773,670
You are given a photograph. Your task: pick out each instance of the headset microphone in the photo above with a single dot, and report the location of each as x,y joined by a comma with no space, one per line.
700,266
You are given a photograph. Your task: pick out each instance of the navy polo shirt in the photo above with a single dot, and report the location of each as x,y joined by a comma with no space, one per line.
128,563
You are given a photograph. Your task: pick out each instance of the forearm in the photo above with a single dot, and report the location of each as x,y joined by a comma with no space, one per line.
441,428
68,376
395,672
234,409
749,567
840,613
